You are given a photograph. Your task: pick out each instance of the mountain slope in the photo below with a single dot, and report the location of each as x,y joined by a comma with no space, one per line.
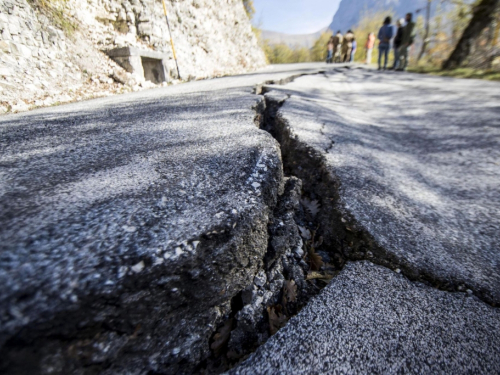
292,40
351,11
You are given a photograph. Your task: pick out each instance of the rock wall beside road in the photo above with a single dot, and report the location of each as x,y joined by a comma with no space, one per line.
43,61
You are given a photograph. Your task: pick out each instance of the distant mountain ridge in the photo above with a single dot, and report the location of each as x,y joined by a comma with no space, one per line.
347,17
350,11
292,40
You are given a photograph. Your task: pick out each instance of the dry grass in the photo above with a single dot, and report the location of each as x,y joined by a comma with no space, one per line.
489,75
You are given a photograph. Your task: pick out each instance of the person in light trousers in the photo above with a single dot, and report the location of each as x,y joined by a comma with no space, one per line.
370,43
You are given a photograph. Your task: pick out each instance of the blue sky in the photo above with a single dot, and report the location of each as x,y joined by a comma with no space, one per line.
294,16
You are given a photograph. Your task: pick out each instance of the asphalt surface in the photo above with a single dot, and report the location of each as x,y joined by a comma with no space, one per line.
371,320
118,212
418,161
129,223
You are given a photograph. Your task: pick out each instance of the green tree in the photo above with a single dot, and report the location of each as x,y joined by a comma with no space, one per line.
444,30
459,17
318,51
249,8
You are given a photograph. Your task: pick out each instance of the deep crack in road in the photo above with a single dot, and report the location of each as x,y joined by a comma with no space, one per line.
136,227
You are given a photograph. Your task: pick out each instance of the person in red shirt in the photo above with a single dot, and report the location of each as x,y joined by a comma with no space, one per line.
370,43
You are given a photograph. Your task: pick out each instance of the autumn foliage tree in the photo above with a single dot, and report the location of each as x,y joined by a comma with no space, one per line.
284,54
249,8
318,51
485,14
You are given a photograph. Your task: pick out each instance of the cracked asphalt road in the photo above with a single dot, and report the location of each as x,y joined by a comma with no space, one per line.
418,162
107,205
370,320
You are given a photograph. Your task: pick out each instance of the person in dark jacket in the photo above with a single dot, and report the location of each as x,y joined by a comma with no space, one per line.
406,41
347,46
337,45
385,35
354,48
397,42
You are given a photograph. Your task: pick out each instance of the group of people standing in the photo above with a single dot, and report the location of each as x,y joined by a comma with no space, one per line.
404,38
341,48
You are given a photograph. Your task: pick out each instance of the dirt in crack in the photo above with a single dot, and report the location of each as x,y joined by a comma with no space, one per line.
310,238
297,265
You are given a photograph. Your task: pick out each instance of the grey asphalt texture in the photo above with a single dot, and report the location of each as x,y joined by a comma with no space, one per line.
418,161
417,158
118,212
371,320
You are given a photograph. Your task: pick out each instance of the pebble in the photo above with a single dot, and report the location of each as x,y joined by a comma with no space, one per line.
299,251
138,267
260,279
176,351
178,251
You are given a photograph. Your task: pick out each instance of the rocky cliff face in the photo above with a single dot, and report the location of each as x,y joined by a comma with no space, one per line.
351,11
42,64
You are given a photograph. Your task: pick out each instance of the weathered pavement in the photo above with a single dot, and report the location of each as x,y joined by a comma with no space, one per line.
414,162
370,320
130,225
417,159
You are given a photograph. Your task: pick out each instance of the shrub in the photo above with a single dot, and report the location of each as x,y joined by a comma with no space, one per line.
54,10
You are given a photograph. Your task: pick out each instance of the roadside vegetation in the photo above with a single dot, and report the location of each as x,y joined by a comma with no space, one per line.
439,36
54,10
283,53
442,46
489,75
